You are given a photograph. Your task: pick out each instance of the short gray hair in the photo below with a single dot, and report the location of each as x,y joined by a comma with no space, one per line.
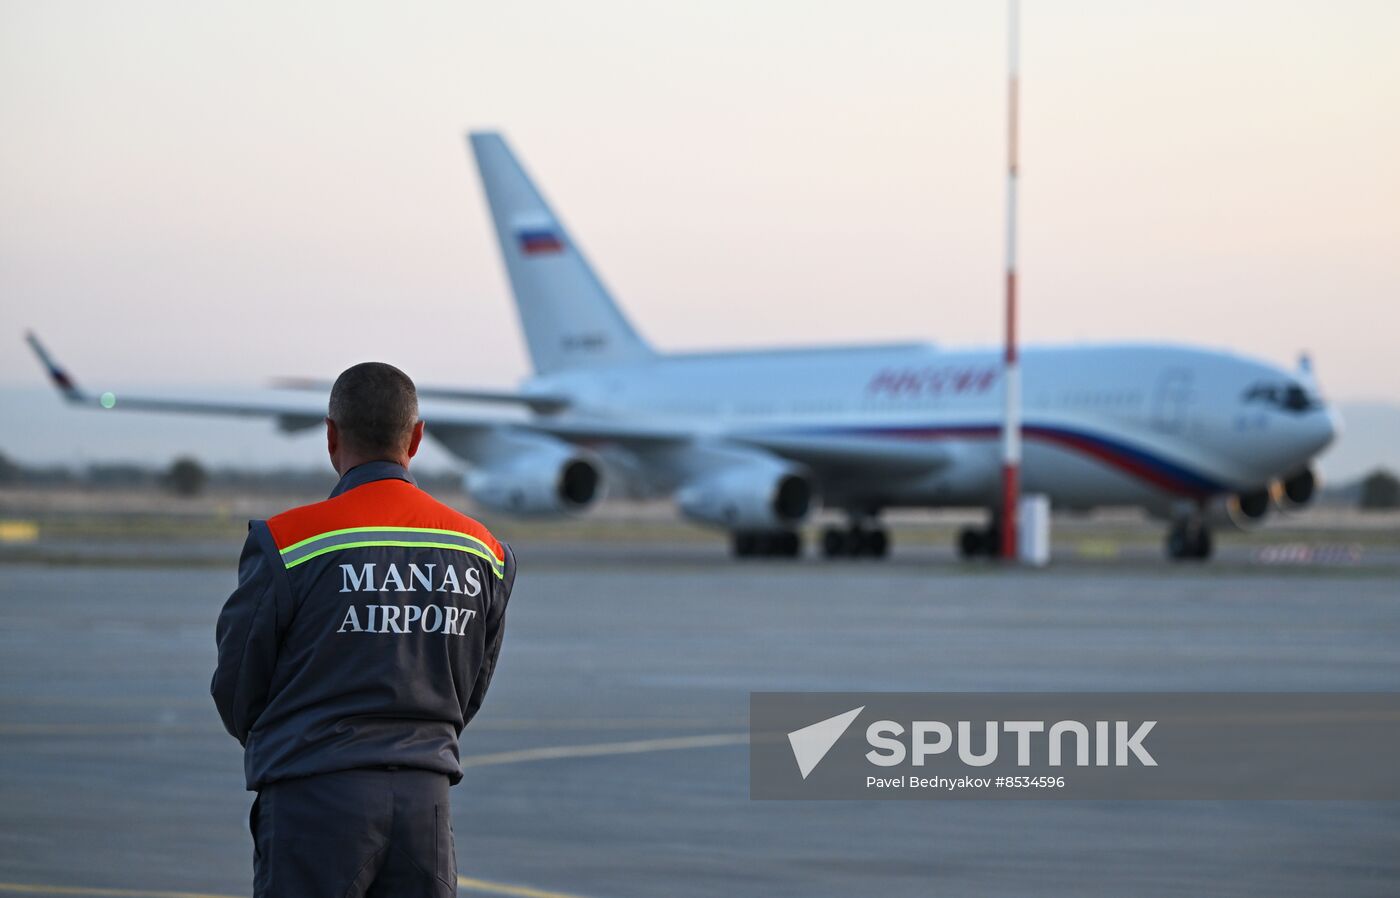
374,406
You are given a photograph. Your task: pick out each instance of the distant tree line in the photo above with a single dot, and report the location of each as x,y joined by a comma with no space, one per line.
187,476
1379,490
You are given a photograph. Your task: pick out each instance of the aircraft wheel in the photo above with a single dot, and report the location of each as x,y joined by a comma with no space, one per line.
971,542
975,542
1187,542
766,544
855,542
1178,543
1204,545
834,543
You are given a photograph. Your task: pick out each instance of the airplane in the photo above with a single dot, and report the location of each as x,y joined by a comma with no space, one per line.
753,442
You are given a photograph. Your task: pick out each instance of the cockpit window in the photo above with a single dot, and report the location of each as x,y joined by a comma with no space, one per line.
1288,397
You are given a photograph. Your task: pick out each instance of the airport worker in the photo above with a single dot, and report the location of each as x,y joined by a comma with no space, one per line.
359,642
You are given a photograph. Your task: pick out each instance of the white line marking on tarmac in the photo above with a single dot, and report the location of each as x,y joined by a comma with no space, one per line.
470,884
602,749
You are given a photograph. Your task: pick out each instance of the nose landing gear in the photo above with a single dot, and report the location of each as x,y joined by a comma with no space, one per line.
980,542
1189,540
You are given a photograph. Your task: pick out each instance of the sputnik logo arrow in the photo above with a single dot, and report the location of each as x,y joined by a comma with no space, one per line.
811,743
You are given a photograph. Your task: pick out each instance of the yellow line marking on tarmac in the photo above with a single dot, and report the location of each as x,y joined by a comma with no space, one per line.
18,531
500,888
602,749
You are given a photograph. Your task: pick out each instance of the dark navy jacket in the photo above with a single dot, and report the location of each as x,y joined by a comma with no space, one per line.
363,632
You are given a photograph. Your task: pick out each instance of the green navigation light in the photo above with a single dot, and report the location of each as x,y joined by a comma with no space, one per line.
108,400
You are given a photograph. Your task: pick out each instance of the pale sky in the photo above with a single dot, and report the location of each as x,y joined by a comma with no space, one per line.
198,194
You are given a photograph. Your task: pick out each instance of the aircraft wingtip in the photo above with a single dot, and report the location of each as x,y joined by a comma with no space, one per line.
58,376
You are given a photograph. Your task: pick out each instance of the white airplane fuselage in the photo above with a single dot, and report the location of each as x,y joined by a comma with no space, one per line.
1147,425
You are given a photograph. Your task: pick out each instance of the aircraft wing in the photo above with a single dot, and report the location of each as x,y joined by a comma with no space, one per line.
300,413
543,403
820,450
292,414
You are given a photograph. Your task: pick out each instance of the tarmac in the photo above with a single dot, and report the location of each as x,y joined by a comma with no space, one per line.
610,758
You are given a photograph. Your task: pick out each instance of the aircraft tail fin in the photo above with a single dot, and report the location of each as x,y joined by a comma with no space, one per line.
569,319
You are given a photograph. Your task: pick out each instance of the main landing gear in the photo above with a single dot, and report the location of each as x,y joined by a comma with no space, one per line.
856,541
862,538
980,542
766,543
1189,540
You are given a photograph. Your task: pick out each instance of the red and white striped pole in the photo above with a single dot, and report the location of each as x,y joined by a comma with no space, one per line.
1011,369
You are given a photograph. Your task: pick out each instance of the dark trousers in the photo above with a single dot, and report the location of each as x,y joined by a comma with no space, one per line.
377,833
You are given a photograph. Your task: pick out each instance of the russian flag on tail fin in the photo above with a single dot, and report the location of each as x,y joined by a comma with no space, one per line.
538,241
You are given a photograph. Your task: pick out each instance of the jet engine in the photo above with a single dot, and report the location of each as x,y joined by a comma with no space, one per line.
1248,508
541,477
1244,510
1252,505
1297,488
760,494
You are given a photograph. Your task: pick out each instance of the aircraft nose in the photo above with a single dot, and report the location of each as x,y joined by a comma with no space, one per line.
1317,430
1329,426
